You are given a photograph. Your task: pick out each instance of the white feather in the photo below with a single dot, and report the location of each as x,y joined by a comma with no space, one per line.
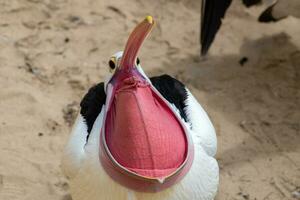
201,124
74,150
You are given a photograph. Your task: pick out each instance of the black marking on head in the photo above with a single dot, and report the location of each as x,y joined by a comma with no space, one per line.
173,91
249,3
91,105
137,61
267,15
213,11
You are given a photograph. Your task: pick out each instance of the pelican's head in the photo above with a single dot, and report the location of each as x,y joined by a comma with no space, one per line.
124,64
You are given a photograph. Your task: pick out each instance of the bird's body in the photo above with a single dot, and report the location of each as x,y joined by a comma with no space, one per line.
196,178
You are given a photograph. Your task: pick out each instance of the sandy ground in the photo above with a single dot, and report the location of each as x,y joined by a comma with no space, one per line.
52,51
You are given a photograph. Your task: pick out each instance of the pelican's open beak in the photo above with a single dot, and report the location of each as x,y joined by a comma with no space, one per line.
144,144
135,41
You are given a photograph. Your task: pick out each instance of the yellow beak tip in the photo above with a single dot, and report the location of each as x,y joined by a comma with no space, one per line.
149,19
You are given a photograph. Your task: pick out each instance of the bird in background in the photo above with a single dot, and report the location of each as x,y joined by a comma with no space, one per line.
213,11
141,138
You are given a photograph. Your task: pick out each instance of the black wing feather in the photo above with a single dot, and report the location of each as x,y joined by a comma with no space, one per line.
91,105
213,11
172,90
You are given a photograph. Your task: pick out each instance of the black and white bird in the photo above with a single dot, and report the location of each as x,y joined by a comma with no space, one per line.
140,138
213,11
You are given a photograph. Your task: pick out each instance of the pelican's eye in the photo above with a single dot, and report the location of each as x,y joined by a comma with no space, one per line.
137,61
112,64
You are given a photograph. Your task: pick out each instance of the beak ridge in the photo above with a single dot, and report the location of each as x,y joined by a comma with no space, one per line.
135,41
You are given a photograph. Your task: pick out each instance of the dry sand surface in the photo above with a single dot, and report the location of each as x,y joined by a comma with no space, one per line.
52,51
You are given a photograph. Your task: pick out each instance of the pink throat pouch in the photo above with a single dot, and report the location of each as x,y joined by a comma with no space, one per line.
144,138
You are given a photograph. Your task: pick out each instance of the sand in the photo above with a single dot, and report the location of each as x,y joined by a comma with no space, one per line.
51,52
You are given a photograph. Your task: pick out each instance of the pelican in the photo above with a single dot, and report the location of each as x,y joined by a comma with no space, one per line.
213,11
140,138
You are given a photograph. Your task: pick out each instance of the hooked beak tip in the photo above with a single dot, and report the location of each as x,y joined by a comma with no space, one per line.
149,19
135,41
